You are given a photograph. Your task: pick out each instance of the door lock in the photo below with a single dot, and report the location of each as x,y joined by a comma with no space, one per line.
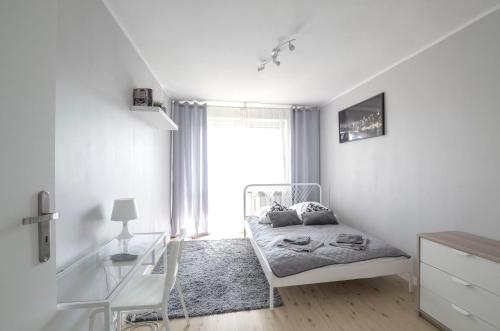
43,220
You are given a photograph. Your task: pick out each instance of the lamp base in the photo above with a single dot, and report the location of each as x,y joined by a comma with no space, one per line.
125,234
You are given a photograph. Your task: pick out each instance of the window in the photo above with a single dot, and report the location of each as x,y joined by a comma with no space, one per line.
245,146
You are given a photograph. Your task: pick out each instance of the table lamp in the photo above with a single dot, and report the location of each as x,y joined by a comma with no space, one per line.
124,210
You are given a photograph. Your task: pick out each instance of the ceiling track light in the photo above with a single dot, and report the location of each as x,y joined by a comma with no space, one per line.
275,54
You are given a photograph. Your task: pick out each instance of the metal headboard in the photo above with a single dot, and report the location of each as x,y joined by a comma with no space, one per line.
256,196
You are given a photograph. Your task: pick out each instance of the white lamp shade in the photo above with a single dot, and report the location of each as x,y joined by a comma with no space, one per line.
124,210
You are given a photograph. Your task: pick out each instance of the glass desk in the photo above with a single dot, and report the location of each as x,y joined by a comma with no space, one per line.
94,280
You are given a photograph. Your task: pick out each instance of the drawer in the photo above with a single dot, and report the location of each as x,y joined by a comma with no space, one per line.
475,300
453,316
474,269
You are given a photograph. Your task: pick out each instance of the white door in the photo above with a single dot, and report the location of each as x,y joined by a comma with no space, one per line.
27,131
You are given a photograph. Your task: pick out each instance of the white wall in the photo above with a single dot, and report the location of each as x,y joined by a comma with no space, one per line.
437,167
103,152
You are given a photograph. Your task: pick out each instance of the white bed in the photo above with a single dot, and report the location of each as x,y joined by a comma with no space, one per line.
258,195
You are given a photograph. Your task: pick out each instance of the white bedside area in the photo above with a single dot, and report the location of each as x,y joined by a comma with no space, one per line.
459,281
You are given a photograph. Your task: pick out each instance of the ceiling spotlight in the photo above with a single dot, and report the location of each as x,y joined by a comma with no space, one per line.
275,54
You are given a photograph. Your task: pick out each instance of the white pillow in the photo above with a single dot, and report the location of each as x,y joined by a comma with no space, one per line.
263,218
307,207
262,215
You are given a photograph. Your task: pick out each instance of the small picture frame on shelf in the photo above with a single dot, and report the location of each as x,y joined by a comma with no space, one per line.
143,97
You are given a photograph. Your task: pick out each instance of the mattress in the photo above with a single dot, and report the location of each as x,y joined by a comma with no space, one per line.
285,262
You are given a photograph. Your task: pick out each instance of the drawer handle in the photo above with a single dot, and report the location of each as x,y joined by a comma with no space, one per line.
460,310
460,281
459,252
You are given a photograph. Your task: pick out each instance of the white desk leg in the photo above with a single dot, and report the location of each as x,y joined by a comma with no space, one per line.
165,244
108,318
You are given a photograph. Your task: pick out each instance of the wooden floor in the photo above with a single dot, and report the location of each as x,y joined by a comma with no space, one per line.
373,304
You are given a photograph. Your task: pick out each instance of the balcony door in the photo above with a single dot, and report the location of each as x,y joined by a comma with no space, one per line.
245,146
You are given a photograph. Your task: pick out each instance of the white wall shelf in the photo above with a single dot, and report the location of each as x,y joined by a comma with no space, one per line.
155,117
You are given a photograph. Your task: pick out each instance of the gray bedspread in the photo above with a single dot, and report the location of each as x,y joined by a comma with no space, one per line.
285,262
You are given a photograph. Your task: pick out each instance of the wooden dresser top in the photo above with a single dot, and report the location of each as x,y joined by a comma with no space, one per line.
466,242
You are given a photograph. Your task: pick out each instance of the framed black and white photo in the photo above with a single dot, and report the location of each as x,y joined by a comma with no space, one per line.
363,120
143,97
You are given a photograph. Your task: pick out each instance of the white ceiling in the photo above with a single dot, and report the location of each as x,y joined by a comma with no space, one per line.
210,49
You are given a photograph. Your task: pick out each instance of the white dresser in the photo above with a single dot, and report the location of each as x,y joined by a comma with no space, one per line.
459,281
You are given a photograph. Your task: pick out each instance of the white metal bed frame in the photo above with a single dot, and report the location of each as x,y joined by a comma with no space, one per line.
331,273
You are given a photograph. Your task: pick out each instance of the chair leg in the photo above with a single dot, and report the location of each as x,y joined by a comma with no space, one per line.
92,318
181,297
271,297
119,321
166,324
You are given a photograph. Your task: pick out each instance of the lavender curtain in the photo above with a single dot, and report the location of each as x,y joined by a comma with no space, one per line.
189,170
305,146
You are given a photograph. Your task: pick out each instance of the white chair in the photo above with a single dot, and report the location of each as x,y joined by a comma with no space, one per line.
150,292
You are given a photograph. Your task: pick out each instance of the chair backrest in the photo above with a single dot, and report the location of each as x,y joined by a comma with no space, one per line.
173,257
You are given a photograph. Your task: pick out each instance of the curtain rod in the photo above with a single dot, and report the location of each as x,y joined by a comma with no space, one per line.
237,104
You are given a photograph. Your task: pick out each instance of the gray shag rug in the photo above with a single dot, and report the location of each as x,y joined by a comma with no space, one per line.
216,276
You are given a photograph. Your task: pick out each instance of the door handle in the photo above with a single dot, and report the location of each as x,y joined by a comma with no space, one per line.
43,220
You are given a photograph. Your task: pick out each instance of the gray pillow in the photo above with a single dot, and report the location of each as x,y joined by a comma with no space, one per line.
321,217
284,218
